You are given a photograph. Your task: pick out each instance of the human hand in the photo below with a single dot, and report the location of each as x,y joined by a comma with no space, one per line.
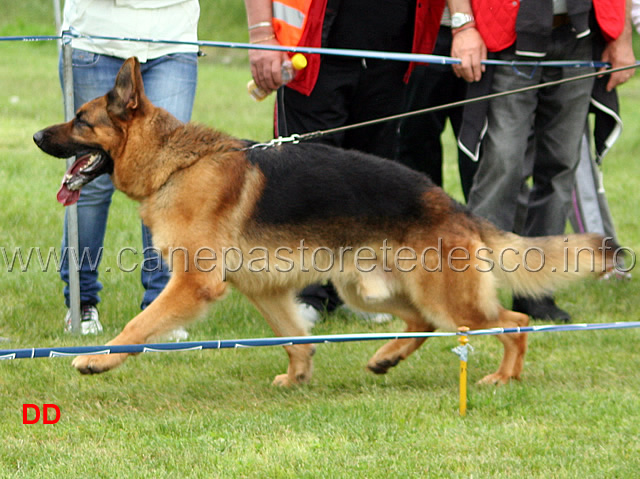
266,66
618,53
468,46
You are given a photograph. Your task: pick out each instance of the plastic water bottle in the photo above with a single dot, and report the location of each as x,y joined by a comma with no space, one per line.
288,71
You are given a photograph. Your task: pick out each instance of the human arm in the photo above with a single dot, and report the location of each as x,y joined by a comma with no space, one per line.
467,45
619,53
265,64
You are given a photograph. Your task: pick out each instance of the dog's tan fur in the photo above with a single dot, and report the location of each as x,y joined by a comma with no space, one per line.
197,189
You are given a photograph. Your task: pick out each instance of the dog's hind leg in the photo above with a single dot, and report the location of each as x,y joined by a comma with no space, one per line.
467,297
398,349
279,310
515,346
185,297
355,294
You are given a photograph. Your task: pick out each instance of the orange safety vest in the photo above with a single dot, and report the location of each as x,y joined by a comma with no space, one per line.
292,27
289,19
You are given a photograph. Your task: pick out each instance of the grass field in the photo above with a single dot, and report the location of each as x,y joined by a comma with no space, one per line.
215,414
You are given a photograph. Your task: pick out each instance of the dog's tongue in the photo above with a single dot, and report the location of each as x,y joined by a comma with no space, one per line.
65,195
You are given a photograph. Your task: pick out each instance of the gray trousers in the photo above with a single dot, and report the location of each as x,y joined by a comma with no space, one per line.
557,116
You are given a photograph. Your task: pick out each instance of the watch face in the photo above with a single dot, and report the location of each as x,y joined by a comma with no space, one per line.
460,19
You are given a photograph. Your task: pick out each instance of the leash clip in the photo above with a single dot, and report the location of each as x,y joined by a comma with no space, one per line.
293,139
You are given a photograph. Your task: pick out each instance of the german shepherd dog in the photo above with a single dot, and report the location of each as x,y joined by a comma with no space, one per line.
270,221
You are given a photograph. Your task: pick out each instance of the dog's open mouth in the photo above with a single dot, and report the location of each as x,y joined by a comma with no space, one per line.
87,167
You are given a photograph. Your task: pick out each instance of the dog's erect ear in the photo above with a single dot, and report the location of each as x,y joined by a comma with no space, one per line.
128,92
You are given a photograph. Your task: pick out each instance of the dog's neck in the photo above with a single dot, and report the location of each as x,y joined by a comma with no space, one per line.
150,162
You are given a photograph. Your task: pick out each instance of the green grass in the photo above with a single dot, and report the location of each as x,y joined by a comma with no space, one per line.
215,414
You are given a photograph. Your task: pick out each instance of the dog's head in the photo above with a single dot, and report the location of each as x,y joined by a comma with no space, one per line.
97,135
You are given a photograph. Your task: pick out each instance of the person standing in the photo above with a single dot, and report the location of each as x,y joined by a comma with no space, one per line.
419,143
169,73
543,30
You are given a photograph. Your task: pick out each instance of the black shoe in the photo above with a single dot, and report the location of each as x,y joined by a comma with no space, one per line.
544,309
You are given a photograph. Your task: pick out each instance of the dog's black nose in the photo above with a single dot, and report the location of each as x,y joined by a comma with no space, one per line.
37,137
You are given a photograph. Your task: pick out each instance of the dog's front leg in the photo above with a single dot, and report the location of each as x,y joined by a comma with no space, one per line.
186,296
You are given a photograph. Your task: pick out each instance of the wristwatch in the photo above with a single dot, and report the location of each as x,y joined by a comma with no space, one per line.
460,19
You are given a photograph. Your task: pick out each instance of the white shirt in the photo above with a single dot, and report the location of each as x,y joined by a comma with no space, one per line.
175,20
635,14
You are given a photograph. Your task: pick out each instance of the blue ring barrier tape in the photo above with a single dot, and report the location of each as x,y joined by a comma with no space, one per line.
30,353
31,38
66,36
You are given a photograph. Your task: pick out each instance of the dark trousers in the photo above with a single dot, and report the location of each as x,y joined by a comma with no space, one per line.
418,141
348,91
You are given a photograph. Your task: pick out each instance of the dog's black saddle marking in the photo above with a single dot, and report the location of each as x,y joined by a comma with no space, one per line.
308,182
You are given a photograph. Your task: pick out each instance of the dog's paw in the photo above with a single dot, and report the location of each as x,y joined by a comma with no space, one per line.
282,380
496,379
98,364
381,366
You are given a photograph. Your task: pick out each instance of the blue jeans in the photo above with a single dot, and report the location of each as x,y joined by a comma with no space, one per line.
556,115
170,83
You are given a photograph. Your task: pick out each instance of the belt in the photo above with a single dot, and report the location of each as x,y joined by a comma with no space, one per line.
561,20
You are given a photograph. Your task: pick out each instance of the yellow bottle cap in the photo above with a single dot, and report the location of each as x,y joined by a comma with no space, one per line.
298,61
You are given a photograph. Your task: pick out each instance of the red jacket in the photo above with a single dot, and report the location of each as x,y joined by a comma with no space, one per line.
427,23
496,20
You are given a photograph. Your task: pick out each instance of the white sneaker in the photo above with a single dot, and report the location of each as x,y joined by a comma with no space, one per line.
89,320
177,335
307,312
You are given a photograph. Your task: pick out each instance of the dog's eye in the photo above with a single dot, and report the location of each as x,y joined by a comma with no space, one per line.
83,124
80,121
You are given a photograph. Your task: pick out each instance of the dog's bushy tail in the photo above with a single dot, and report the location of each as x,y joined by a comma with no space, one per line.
536,266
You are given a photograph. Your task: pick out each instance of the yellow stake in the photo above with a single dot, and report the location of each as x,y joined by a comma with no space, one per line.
463,339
